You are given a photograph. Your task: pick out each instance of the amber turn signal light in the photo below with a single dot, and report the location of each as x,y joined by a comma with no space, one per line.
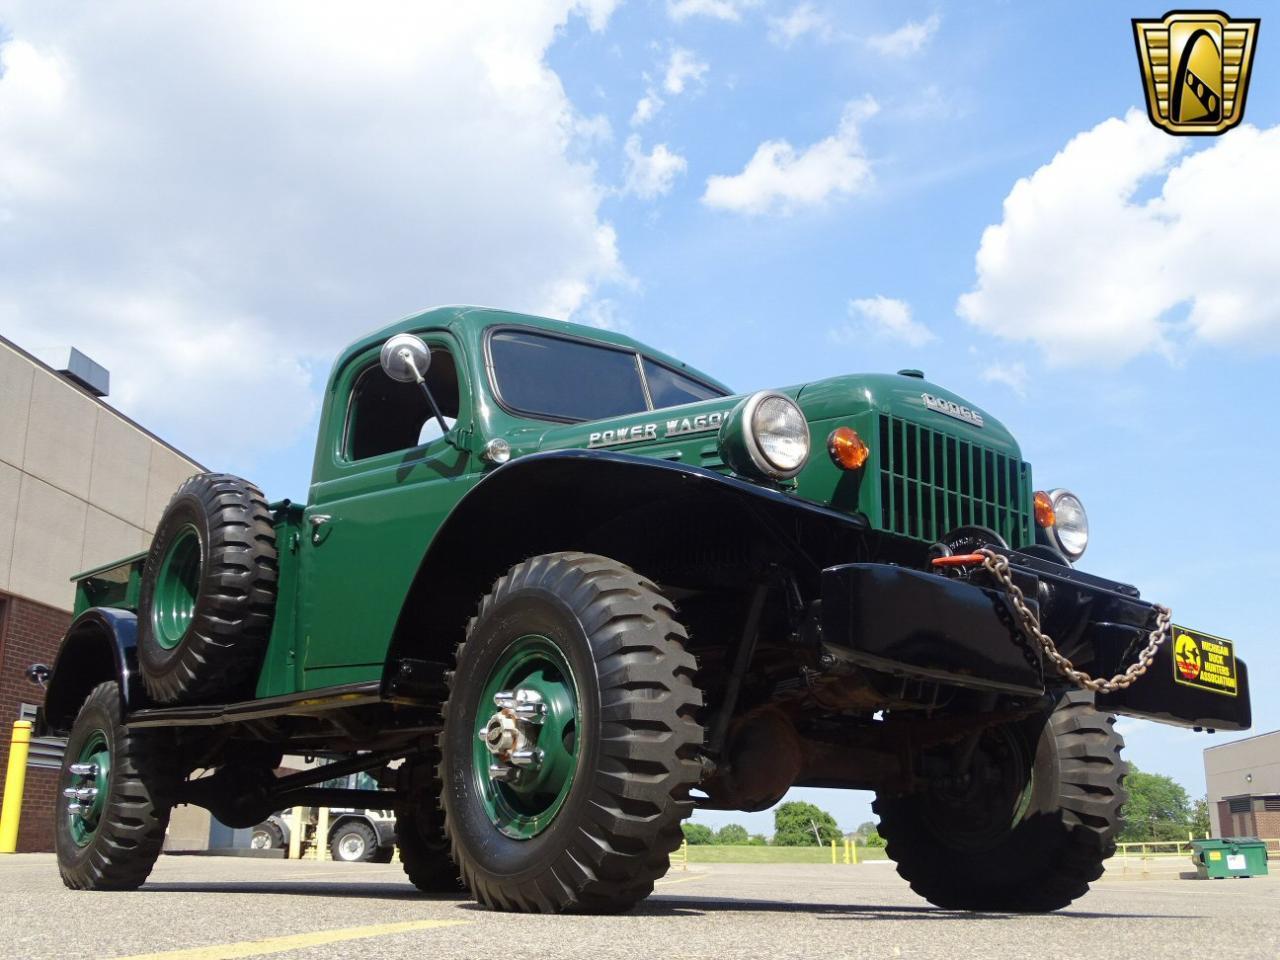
1044,510
847,449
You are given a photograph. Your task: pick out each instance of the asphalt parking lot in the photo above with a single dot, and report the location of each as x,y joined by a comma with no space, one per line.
207,908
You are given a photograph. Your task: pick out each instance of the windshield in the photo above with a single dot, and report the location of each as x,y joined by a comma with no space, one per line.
560,379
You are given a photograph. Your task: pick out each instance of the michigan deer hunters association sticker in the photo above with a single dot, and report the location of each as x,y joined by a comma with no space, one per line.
1202,661
1195,69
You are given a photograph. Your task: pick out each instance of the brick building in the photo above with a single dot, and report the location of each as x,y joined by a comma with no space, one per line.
80,485
1243,780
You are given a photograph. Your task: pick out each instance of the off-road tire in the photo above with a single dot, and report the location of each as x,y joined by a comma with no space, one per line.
221,649
638,734
1052,855
271,831
130,832
367,834
424,851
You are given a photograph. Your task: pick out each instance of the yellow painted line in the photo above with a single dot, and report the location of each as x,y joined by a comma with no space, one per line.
666,882
297,941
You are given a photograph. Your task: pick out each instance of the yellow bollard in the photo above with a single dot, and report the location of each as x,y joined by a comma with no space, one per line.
295,833
684,854
322,833
833,853
15,779
854,850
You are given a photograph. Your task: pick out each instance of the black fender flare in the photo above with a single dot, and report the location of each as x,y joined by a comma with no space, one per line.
100,645
601,501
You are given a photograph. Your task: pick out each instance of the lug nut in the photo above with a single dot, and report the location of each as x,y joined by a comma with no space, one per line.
526,758
84,769
503,773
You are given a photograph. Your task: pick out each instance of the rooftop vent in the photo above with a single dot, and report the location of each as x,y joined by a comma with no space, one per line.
92,376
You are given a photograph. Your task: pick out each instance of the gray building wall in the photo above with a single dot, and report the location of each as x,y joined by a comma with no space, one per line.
80,484
1244,768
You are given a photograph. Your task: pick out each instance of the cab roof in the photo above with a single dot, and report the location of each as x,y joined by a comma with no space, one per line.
468,322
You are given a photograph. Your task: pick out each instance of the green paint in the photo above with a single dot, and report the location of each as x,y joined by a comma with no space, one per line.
84,823
342,584
524,807
177,588
115,584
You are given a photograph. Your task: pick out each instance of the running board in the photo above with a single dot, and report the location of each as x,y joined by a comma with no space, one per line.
292,704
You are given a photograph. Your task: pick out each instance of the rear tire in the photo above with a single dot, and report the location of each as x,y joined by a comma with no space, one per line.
424,851
113,840
208,592
590,824
354,842
1073,791
267,836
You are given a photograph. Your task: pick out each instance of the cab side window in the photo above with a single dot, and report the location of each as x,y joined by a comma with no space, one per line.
387,415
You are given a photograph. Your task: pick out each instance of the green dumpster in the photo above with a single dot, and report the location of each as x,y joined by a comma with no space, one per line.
1229,857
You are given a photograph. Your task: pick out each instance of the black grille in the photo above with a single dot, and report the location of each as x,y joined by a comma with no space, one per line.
931,483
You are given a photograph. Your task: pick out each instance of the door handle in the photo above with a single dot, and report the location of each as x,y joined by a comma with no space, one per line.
318,520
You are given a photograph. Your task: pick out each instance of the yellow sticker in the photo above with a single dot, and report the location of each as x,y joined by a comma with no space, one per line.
1204,661
1215,854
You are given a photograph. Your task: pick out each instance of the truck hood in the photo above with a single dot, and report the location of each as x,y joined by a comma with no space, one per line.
908,397
668,431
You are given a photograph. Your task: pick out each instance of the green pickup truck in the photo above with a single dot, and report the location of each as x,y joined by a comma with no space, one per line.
554,590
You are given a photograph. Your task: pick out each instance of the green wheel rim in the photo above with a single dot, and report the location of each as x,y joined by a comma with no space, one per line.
85,818
173,603
524,806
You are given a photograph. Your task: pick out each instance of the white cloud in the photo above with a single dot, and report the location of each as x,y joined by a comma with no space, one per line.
222,202
603,313
647,107
908,39
683,67
882,317
778,179
679,10
1089,273
803,20
1012,375
651,174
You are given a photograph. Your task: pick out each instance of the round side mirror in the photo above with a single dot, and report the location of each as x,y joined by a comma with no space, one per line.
405,358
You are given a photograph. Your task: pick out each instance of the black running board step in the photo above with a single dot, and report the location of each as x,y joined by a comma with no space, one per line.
293,704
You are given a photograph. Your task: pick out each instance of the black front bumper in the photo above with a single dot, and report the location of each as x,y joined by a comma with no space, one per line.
960,631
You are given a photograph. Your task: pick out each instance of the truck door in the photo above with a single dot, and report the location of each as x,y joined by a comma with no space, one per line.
385,479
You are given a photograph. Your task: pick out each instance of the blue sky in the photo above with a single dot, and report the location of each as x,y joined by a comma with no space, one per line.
211,204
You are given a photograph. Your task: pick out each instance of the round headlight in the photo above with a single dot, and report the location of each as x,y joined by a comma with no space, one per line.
1070,523
776,434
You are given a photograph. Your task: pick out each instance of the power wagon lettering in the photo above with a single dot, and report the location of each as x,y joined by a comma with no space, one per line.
702,423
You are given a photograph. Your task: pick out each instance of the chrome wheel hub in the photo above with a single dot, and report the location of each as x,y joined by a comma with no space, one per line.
511,733
83,790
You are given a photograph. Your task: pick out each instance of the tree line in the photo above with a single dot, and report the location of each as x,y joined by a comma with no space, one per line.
1158,808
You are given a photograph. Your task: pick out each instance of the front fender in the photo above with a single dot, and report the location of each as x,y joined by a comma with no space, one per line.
100,645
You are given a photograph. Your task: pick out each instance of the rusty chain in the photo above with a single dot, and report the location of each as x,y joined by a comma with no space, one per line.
998,566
